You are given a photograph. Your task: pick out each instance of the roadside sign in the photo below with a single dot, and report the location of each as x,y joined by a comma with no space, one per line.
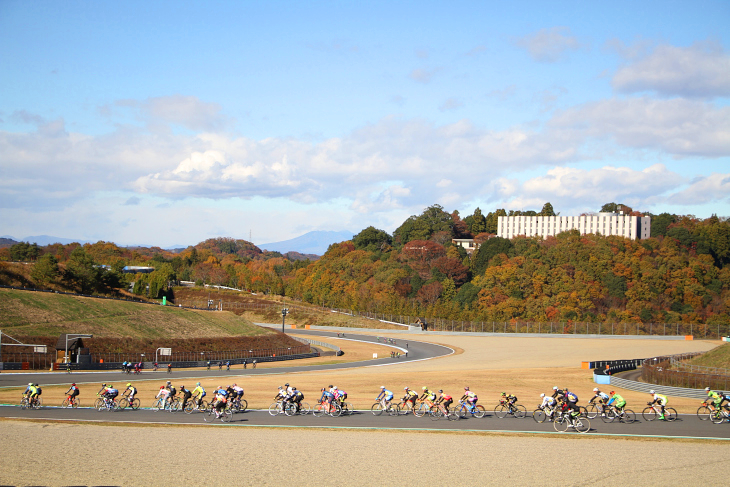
166,351
40,349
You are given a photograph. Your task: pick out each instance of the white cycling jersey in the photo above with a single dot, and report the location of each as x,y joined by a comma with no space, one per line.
548,401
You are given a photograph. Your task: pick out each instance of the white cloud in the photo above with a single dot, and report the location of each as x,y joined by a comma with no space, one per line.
581,189
701,70
704,190
450,104
678,127
423,75
549,45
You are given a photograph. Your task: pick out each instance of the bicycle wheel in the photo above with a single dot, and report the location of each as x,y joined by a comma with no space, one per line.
290,409
561,424
591,411
65,403
189,407
376,409
582,424
275,408
421,410
582,411
501,411
627,416
304,408
135,403
435,413
335,410
227,415
670,414
703,412
99,402
394,410
539,415
209,415
123,403
452,415
609,415
349,410
244,405
520,411
479,411
649,414
24,403
175,406
115,406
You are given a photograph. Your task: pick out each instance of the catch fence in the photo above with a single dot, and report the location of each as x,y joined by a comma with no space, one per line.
660,370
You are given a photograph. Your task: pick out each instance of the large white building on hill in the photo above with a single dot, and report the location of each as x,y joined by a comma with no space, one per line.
633,227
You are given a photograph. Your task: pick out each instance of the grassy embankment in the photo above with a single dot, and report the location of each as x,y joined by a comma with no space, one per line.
718,357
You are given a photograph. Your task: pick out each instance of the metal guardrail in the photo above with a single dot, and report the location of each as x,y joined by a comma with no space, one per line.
318,343
677,362
633,385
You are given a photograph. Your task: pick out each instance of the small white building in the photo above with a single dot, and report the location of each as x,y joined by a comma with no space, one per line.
467,244
633,227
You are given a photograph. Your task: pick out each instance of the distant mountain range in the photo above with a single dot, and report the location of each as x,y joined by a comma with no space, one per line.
312,243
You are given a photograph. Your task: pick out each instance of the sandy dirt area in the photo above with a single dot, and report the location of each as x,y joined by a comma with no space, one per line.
70,454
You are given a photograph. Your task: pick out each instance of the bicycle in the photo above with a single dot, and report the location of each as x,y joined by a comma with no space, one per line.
406,407
439,411
380,406
239,405
25,403
719,416
195,405
540,415
108,405
211,414
70,402
594,409
291,408
422,408
706,411
504,409
463,409
347,408
277,408
332,409
652,412
125,403
612,413
566,420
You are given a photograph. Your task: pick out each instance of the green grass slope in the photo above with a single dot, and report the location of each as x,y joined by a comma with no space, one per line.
717,357
25,313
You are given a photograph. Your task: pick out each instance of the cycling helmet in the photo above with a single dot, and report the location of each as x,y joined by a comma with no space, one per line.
405,388
108,385
424,388
382,387
466,388
182,387
504,393
595,389
129,384
168,382
280,388
441,391
707,389
103,385
555,388
652,392
287,385
30,383
542,395
73,384
331,386
162,387
197,384
612,392
335,387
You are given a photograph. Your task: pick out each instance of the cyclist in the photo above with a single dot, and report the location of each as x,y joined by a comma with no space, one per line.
110,393
470,398
558,394
244,363
28,391
173,392
254,363
102,391
510,399
714,397
164,394
444,401
658,399
199,393
221,398
208,364
411,396
132,391
228,365
571,399
549,403
186,396
220,365
297,397
238,390
384,397
169,368
602,399
326,398
617,401
428,396
154,368
72,392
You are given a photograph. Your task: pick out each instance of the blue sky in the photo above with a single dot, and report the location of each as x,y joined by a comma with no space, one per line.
167,123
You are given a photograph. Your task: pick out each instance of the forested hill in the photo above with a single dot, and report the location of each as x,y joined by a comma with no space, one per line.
681,274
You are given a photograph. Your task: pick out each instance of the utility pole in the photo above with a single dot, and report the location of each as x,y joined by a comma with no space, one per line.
284,312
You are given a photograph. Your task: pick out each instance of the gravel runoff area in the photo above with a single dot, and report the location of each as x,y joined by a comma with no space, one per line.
72,454
81,454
